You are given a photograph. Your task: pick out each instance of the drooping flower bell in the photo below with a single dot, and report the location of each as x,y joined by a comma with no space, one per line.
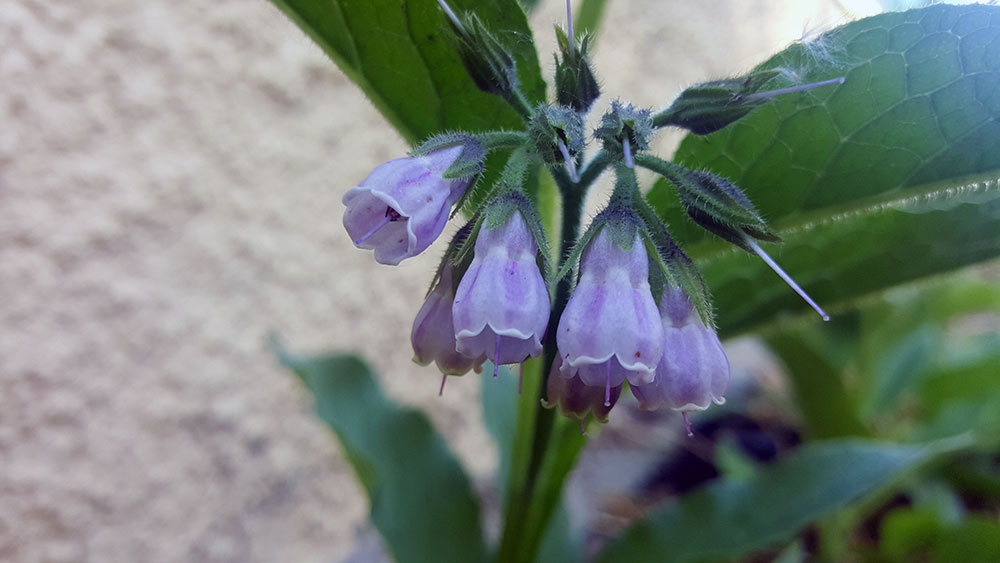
433,334
403,205
694,371
577,399
502,303
610,330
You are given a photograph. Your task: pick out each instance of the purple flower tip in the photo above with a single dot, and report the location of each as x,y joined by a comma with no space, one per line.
403,205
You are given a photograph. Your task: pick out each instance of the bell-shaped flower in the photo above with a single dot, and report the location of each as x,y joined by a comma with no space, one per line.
433,334
694,370
403,205
577,399
610,330
502,304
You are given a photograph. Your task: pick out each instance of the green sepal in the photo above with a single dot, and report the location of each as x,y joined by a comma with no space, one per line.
623,224
551,125
576,85
621,121
511,179
469,164
456,256
678,269
708,107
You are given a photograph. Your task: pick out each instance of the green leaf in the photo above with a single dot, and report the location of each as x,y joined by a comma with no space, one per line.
731,517
421,499
827,408
401,56
887,178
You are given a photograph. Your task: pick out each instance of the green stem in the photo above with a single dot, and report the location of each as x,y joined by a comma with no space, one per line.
493,140
545,448
534,421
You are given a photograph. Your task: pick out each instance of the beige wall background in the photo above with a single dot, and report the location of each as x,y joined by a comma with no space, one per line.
170,183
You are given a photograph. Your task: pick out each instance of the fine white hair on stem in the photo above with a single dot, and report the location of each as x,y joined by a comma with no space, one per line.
451,14
569,25
781,273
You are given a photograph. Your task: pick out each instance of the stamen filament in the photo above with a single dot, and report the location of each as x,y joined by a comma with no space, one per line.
687,424
451,15
791,90
781,273
496,358
388,219
570,165
583,426
444,377
627,149
607,386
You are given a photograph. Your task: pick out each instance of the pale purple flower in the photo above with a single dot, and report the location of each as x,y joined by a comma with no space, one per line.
610,330
433,334
403,205
502,304
694,370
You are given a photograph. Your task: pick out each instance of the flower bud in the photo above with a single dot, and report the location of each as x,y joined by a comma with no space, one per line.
490,65
576,399
624,130
557,135
576,86
502,303
433,334
708,107
694,371
403,205
610,330
720,207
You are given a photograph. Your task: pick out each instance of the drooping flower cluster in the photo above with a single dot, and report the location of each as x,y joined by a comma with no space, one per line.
625,305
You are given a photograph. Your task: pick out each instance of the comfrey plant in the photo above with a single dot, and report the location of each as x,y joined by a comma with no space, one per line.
869,155
627,304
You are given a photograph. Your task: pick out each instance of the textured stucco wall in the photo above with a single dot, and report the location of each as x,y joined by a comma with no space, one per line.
170,183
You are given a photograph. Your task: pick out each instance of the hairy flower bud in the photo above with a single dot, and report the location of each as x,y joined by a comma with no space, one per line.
403,205
488,62
694,371
576,85
433,334
708,107
502,304
610,330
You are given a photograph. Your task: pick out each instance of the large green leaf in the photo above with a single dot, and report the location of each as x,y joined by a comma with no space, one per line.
734,516
421,500
890,177
400,54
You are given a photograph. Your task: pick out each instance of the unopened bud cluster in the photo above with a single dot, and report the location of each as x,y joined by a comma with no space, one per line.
624,303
